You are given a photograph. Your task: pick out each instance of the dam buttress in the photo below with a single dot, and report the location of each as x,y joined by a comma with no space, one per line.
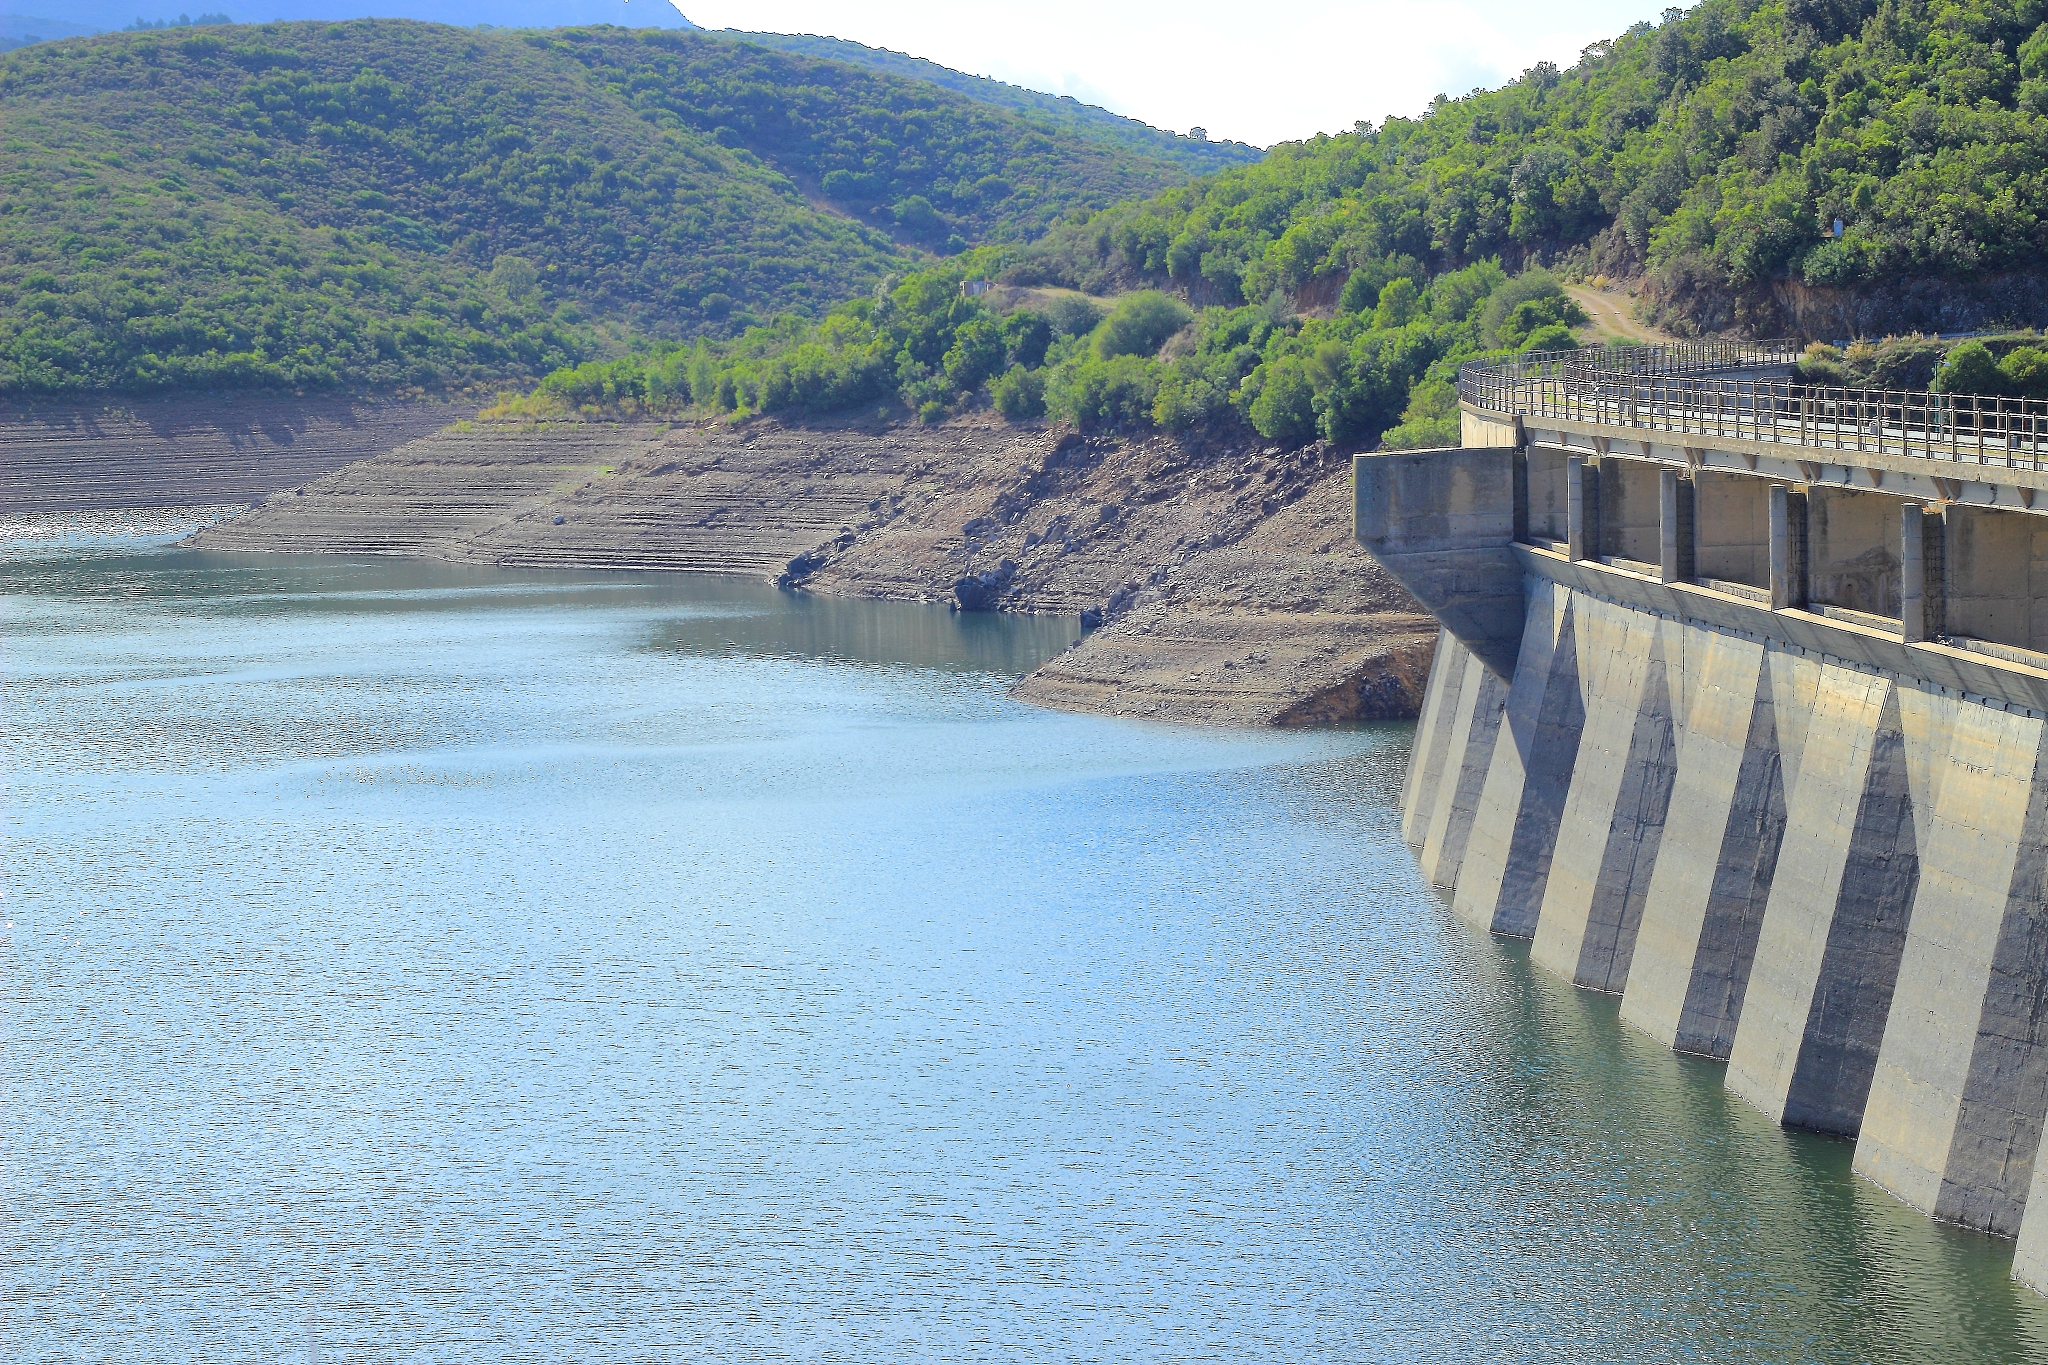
1740,712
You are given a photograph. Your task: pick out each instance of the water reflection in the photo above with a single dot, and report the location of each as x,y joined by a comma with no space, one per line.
435,963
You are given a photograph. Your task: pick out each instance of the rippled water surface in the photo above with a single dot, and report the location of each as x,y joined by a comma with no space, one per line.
412,963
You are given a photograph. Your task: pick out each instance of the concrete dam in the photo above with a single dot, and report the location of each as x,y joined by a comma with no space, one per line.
1738,713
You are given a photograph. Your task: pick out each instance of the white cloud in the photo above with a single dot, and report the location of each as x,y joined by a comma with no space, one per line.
1257,74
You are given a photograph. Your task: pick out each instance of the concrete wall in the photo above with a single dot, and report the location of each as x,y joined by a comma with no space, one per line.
1997,571
1833,875
1733,519
1852,549
1628,509
1477,430
1549,512
1441,522
1454,752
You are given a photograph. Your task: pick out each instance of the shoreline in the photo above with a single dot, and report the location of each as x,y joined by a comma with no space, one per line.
1217,580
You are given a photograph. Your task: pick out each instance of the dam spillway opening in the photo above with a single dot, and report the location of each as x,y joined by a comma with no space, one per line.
1740,712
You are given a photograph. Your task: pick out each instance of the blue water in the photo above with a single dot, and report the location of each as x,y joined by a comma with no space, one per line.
416,963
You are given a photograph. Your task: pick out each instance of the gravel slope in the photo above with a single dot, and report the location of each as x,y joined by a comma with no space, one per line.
1225,576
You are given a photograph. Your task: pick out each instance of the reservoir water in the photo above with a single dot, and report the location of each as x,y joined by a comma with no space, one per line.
416,963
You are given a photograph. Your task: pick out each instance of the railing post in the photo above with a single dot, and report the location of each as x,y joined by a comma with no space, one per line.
1912,574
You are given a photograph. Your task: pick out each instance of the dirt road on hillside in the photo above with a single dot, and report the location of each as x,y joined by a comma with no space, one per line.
1612,320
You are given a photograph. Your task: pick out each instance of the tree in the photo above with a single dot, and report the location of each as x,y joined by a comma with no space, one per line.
1399,303
1140,324
1284,410
1969,368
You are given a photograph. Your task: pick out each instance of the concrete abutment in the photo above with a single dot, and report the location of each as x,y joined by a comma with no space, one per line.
1771,763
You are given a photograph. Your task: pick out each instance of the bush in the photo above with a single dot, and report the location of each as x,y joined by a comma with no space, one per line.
2026,372
1363,288
1140,324
1025,337
1284,409
1187,400
1399,302
1536,286
1969,368
1020,394
1431,419
1551,337
1072,315
1114,392
976,353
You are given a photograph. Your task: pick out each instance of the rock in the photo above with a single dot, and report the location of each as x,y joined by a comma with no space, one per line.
560,520
800,568
1091,618
978,592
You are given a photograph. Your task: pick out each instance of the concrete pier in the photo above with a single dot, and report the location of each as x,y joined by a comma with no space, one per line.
1473,727
1768,758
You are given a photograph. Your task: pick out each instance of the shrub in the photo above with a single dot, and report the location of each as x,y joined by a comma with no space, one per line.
1072,315
1020,394
2026,372
1114,392
1430,420
1025,337
1140,324
1284,409
1969,368
1399,302
1551,337
1187,400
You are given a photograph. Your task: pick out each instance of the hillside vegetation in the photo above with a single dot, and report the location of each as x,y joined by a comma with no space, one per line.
925,346
1330,289
1196,155
1712,153
937,168
382,204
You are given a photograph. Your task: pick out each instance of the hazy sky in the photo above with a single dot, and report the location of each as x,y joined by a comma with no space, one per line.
1260,73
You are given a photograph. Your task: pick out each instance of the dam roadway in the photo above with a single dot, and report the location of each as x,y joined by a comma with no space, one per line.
1738,713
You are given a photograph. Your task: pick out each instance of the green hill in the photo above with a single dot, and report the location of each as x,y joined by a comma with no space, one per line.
1195,155
384,203
1331,289
1711,154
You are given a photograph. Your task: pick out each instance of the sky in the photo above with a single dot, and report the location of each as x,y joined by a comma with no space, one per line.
1258,73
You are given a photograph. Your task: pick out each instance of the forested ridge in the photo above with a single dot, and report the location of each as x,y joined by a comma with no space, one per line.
1332,288
380,204
1197,155
383,204
1711,154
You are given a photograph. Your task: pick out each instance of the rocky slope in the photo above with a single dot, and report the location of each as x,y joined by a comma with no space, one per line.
187,451
1223,576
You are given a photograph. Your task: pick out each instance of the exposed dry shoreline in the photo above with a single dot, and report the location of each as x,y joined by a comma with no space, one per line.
194,449
1225,576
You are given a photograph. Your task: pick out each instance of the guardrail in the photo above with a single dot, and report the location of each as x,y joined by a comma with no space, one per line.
1670,389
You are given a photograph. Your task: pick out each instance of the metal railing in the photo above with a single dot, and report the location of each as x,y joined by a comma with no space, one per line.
1671,389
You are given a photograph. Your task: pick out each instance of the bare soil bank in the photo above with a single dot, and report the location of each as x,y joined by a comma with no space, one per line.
1230,586
193,449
